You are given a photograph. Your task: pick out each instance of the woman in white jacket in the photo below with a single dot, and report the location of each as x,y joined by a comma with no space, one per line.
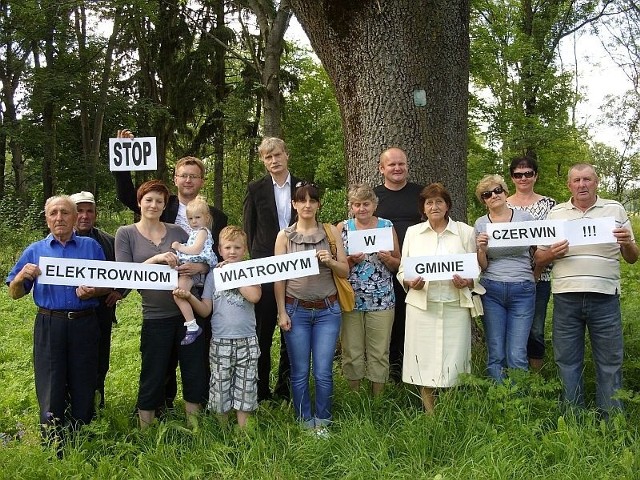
438,324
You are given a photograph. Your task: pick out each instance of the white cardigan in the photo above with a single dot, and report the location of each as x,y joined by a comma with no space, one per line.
422,240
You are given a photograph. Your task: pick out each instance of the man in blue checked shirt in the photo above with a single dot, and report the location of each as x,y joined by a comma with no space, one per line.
65,343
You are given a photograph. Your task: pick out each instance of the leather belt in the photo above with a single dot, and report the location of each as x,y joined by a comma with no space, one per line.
313,304
68,314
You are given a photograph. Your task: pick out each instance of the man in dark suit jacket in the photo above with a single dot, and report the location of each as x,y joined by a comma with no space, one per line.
267,210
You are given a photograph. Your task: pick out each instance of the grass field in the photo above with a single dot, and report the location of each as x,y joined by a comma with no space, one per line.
479,430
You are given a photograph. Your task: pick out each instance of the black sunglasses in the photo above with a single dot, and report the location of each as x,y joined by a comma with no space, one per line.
527,174
304,183
486,195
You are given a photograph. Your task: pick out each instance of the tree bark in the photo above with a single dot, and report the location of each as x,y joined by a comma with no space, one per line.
273,23
378,55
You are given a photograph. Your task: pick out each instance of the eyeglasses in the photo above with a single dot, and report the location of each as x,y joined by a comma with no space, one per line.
304,183
486,195
190,176
527,174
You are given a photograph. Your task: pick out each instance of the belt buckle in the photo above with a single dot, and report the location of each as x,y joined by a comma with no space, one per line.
71,315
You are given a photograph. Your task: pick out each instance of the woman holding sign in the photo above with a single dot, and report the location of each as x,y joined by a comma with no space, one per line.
438,328
366,331
149,241
308,309
524,174
508,278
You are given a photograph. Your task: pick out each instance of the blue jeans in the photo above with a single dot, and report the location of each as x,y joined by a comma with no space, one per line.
508,314
535,344
600,313
313,335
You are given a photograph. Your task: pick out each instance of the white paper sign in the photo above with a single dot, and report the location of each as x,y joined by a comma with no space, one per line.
441,267
583,231
128,154
511,234
265,270
371,240
590,231
98,273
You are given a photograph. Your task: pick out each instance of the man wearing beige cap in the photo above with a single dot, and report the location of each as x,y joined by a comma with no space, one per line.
106,311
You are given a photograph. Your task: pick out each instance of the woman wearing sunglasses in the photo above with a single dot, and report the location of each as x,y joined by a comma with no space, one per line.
308,309
507,276
524,174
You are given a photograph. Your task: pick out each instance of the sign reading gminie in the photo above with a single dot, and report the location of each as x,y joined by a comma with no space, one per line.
127,154
265,270
585,231
96,273
371,240
441,267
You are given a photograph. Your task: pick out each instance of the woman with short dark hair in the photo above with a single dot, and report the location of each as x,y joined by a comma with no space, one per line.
524,174
149,241
438,327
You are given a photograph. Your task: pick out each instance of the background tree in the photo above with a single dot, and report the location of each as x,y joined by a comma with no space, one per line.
378,55
522,95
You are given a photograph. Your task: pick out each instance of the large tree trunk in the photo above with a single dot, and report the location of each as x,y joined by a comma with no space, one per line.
378,54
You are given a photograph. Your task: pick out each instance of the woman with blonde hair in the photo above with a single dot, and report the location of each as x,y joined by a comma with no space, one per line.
508,279
366,331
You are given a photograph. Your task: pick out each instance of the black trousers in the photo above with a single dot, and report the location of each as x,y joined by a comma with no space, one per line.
266,322
65,360
171,381
106,316
396,346
158,339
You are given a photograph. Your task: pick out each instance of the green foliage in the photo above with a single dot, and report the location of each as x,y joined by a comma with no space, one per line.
522,99
480,430
313,126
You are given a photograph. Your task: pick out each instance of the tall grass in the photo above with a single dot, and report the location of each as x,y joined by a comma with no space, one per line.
479,430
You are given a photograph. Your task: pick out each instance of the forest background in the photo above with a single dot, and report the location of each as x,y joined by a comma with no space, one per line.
462,86
210,79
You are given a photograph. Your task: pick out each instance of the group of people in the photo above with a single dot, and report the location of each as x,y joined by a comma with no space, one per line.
402,327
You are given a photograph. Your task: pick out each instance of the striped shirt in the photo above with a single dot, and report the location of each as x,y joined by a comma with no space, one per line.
589,268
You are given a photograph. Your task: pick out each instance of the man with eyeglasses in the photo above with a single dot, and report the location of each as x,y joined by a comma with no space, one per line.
188,179
586,293
267,210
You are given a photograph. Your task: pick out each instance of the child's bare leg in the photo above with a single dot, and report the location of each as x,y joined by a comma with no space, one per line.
193,330
243,418
185,283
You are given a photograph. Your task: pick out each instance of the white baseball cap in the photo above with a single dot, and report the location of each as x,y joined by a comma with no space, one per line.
83,197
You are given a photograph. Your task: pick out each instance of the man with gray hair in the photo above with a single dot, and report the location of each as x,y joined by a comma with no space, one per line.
65,343
586,292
